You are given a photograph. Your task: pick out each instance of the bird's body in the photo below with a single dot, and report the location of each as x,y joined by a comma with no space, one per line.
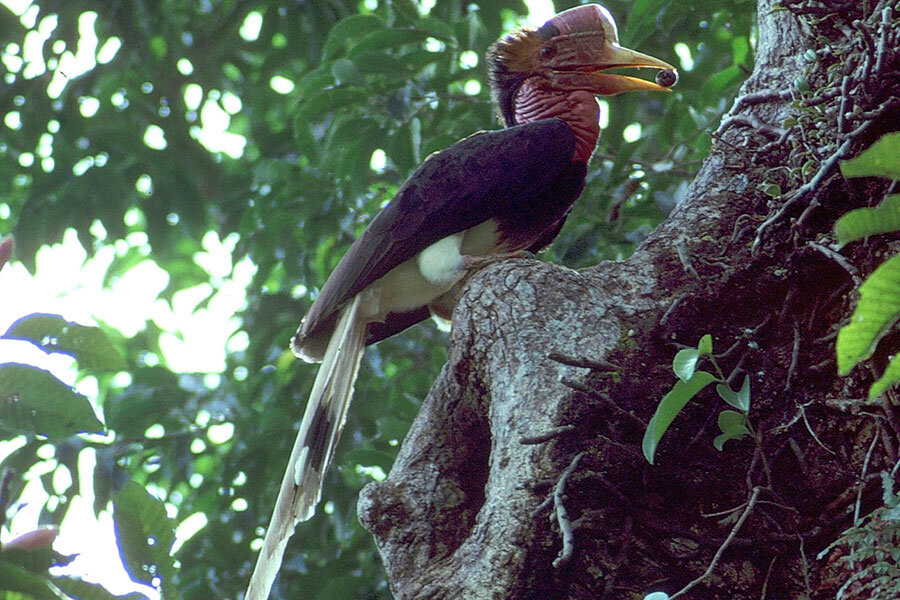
490,193
493,193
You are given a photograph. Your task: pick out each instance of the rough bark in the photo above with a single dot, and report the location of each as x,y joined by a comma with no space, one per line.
470,511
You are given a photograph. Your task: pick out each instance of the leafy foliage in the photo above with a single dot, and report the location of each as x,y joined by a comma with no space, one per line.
878,160
145,536
869,552
34,401
863,222
52,333
24,562
878,309
310,94
734,425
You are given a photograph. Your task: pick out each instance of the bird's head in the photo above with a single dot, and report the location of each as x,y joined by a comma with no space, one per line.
566,54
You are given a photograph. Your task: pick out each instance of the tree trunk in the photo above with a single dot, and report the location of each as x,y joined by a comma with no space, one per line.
474,509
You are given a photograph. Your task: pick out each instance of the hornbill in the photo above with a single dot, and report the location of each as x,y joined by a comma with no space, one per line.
493,193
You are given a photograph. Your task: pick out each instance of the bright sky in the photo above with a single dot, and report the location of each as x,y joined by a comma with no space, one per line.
66,282
69,283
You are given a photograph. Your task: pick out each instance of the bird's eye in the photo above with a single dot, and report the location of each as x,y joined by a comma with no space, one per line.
548,51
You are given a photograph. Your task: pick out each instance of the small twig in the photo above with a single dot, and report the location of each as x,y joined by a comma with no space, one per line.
894,470
735,232
751,99
756,454
584,389
889,413
762,595
879,110
839,259
845,97
810,430
885,26
547,435
752,122
718,556
761,97
572,361
805,567
888,443
819,366
562,516
738,368
684,256
775,143
722,513
803,190
798,454
795,353
762,459
862,479
865,124
728,352
785,426
540,507
788,298
671,309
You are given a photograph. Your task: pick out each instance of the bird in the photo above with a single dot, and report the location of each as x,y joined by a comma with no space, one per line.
491,195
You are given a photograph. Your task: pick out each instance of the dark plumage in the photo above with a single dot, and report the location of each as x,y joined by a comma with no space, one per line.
522,176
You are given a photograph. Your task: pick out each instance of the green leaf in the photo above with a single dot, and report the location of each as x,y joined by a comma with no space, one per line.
891,376
740,47
326,100
669,407
704,347
863,222
718,82
875,314
387,38
642,20
881,159
773,190
733,426
25,585
740,400
346,72
34,401
159,47
144,535
348,30
381,62
51,333
153,393
438,29
83,590
685,362
35,558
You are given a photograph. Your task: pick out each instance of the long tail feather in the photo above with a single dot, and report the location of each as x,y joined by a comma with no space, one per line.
319,432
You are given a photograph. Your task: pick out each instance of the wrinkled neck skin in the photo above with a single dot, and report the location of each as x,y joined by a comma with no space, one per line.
537,100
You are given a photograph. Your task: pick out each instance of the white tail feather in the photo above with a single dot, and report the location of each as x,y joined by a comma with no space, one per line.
326,412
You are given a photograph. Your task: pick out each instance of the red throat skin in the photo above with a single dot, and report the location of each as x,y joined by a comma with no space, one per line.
537,100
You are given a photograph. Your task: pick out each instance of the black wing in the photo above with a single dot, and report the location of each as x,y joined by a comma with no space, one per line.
486,175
